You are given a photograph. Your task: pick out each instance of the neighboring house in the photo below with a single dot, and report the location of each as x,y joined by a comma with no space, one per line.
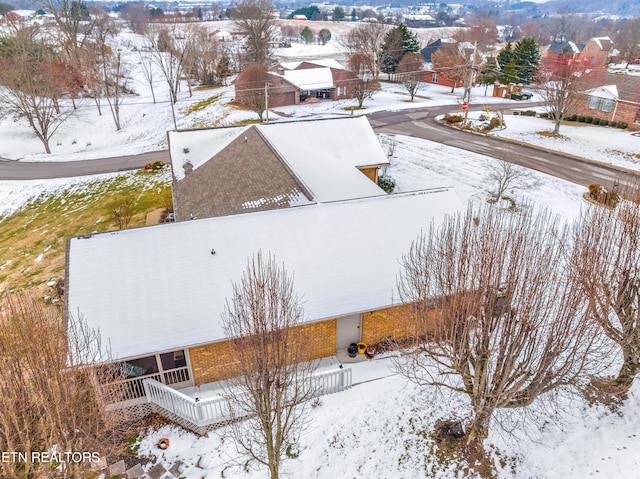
595,52
156,294
598,51
294,82
431,75
617,100
224,171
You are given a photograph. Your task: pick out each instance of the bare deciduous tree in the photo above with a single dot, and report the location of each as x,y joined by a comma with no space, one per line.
33,85
367,38
627,40
503,176
503,322
254,91
410,72
49,395
562,81
122,211
255,21
450,62
606,266
364,66
274,385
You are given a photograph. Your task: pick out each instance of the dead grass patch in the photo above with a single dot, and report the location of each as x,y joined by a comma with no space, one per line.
550,134
33,240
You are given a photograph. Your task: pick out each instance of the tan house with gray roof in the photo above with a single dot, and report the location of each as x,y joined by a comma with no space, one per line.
225,171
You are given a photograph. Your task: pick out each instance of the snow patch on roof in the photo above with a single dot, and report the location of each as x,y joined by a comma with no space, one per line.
196,147
310,78
608,91
160,288
329,154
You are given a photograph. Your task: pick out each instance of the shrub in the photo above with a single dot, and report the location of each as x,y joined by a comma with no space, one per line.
621,124
604,122
529,113
594,190
516,113
588,119
154,166
573,117
386,183
495,122
610,199
581,119
544,115
453,118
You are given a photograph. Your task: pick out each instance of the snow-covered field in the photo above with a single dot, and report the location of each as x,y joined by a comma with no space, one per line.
379,429
375,429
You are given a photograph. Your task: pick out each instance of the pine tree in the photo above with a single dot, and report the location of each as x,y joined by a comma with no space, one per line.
505,55
397,43
509,73
527,57
489,74
306,35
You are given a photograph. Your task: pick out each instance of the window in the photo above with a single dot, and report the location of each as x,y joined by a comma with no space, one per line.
140,366
173,360
434,78
599,103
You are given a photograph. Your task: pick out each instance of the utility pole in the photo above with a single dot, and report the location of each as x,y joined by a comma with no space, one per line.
266,101
467,90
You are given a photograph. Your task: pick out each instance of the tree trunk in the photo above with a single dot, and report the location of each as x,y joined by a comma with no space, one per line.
556,126
479,428
630,365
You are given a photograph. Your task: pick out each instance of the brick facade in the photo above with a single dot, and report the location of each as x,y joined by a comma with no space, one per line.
397,321
627,112
217,361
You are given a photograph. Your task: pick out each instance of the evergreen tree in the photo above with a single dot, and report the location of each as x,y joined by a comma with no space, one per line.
354,15
527,57
397,43
505,55
509,73
410,41
489,74
306,35
338,14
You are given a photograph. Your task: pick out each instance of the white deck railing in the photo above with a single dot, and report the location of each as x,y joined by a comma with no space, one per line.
214,410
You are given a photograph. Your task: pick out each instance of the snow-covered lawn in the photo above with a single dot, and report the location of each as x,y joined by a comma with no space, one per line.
381,429
377,428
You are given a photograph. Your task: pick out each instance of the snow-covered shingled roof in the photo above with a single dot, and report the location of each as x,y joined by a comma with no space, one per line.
309,78
608,91
160,288
324,62
325,155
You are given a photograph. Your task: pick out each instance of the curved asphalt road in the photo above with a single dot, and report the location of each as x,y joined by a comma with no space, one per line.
36,170
419,123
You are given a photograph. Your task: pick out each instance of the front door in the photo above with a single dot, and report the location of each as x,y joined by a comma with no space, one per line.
348,330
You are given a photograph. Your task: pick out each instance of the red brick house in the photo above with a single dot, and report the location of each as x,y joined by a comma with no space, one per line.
451,76
617,99
291,83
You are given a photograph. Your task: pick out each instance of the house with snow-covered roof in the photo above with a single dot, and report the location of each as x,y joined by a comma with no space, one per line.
291,83
231,170
616,99
156,294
